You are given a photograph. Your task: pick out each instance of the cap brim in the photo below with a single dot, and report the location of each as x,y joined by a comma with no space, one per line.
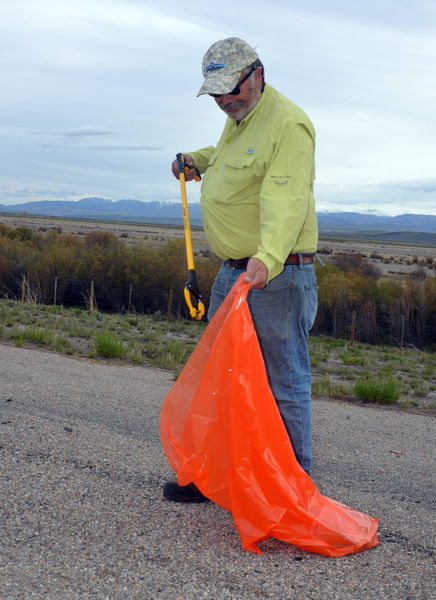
215,83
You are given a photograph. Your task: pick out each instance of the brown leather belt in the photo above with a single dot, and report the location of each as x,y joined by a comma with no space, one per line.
292,259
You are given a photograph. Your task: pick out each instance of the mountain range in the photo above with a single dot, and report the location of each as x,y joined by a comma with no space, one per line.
102,208
170,213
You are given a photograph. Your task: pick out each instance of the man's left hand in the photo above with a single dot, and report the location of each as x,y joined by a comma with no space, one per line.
257,274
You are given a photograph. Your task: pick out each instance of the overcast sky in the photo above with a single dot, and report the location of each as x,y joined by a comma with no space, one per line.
97,96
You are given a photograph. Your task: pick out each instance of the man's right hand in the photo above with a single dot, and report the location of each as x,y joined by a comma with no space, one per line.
189,175
257,274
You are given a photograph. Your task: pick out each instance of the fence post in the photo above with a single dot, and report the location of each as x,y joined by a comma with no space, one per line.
130,298
170,302
23,288
55,294
402,331
353,326
91,297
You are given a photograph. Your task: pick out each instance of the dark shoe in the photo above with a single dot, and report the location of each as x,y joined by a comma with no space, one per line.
183,493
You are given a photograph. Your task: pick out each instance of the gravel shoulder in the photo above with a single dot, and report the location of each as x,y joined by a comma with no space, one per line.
83,515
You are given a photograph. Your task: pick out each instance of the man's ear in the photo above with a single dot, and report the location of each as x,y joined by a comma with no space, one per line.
259,74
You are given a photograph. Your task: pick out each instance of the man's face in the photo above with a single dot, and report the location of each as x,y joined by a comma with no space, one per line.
237,107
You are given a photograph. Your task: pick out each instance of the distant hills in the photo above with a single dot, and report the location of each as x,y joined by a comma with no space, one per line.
354,220
407,228
102,208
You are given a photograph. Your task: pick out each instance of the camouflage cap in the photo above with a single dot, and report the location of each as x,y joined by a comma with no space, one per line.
223,63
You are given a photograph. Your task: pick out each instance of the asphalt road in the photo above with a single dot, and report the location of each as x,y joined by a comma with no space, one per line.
82,513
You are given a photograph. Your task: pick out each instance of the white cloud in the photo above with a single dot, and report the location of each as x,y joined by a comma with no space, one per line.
97,97
85,131
391,198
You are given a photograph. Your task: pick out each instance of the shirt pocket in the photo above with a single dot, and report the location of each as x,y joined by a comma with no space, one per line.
239,171
233,179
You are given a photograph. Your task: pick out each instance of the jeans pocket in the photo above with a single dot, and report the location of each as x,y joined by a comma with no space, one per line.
280,282
311,293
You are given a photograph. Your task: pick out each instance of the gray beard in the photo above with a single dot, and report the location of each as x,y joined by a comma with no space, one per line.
243,111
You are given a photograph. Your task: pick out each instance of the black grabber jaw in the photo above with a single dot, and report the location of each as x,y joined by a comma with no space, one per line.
193,297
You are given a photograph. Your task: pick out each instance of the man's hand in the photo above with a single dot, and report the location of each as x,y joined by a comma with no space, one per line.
257,274
189,175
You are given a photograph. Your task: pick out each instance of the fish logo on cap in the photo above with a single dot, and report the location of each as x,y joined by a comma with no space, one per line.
213,66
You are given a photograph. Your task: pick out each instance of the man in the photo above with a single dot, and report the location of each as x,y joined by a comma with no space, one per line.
259,217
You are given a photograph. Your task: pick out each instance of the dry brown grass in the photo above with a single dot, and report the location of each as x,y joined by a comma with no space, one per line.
391,260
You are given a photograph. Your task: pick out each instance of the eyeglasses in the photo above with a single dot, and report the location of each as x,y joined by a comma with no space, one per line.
237,89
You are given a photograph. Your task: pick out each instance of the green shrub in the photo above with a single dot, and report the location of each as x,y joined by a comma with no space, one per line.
108,346
420,387
352,359
314,361
62,344
37,335
332,389
169,353
21,233
382,391
32,335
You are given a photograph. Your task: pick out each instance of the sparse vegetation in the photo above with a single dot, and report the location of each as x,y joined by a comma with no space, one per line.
137,339
158,341
355,301
102,270
133,277
98,269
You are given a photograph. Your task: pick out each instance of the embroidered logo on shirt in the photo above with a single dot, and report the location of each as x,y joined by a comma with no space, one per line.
281,179
251,150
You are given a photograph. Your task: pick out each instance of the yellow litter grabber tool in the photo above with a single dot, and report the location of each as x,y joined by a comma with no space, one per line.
192,293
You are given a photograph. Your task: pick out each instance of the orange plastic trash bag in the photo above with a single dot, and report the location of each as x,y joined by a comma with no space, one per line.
221,429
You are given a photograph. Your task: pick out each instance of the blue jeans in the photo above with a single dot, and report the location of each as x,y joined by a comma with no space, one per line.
283,312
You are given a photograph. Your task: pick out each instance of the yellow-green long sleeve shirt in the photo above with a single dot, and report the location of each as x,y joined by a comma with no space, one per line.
257,191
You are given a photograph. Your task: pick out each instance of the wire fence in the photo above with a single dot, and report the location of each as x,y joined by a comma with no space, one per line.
415,329
392,330
95,296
